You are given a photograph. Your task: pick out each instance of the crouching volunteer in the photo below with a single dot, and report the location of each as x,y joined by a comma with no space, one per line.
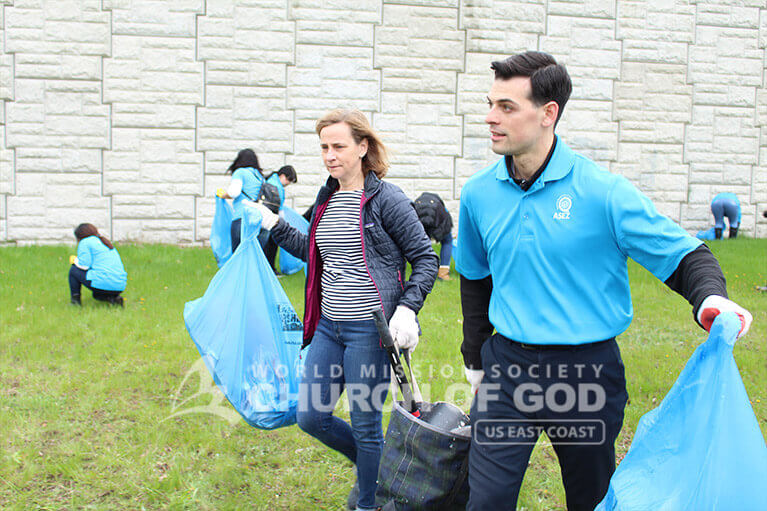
96,266
362,232
281,179
543,240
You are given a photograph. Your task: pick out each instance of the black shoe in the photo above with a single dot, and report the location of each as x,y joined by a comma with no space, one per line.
75,300
733,232
717,233
117,300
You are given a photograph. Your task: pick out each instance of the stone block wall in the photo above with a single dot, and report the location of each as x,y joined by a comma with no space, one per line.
126,113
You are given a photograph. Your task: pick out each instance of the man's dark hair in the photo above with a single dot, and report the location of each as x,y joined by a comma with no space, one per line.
289,172
549,80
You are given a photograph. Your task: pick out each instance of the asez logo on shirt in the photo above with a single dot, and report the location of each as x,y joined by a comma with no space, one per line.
564,203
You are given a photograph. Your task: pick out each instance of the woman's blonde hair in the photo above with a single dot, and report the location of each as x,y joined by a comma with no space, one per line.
376,158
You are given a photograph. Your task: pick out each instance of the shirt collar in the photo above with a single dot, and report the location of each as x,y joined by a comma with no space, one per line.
560,162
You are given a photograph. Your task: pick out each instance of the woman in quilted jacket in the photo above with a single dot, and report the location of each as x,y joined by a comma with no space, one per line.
363,231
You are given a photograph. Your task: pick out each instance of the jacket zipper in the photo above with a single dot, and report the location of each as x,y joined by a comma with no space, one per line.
313,255
364,257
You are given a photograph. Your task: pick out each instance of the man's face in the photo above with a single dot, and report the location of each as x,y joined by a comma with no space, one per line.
516,123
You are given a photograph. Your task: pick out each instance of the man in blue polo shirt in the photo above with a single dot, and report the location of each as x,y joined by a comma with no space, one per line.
543,240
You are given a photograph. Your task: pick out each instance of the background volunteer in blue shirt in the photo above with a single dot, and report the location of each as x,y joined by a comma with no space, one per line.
284,177
245,185
96,266
726,205
543,240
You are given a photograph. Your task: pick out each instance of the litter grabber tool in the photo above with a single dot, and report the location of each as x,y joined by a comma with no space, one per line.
399,371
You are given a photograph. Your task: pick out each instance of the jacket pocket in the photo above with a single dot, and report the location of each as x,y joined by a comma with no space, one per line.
379,241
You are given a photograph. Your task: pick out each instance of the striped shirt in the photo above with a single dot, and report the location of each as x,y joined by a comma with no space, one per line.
348,292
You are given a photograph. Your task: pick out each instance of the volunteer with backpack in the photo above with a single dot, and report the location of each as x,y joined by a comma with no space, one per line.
362,232
438,223
284,177
245,185
96,266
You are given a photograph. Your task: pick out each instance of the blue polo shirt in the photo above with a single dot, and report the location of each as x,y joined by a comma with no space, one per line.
251,185
558,252
105,268
275,180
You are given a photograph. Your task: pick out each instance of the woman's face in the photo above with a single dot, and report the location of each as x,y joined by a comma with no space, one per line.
341,154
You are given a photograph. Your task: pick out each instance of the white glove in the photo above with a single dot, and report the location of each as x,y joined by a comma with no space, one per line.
404,328
474,377
268,219
713,305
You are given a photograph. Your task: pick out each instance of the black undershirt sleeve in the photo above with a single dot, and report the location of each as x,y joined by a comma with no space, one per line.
698,276
475,303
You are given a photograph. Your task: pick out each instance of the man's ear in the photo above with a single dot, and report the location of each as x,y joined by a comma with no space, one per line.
550,113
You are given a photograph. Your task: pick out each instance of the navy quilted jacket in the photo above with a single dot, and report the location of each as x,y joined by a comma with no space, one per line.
391,235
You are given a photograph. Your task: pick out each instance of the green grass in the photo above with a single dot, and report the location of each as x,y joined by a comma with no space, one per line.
86,395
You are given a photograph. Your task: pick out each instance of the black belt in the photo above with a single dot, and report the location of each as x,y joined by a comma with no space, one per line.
560,347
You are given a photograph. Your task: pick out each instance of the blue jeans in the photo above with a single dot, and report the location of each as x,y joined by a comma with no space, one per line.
725,208
347,355
446,250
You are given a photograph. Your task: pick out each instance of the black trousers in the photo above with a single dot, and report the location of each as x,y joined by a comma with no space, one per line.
234,233
77,278
270,251
576,395
264,238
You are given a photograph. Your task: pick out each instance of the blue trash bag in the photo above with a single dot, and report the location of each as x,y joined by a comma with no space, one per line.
220,235
290,264
708,234
249,335
702,447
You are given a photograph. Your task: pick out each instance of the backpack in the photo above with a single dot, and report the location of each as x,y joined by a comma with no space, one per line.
432,213
270,197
